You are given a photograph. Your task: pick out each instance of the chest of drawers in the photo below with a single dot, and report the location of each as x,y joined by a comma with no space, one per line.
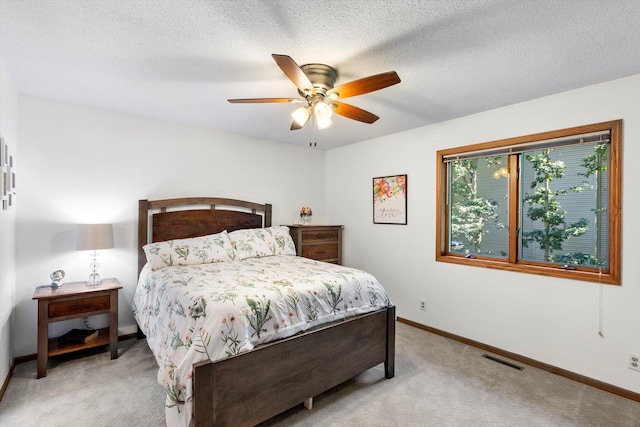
319,242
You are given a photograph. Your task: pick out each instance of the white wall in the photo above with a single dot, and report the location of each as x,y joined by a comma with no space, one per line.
84,165
8,130
551,320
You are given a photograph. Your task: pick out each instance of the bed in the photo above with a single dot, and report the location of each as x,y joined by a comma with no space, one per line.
237,389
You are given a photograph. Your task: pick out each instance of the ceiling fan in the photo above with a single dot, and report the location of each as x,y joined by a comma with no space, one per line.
315,85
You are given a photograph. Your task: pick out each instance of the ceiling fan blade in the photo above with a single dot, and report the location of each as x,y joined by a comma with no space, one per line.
354,113
294,72
263,100
365,85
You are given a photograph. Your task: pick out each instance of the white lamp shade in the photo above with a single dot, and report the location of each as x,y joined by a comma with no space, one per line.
323,122
301,115
94,236
322,110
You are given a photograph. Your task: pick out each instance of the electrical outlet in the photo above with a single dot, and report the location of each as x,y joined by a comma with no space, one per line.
423,306
634,362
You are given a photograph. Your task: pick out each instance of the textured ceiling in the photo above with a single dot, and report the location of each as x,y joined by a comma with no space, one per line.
181,60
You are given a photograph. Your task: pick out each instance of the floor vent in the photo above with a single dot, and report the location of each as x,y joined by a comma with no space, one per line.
504,362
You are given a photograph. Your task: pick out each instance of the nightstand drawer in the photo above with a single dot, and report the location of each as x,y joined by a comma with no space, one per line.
83,305
313,236
320,252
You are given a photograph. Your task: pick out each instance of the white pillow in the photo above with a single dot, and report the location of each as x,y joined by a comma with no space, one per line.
261,242
192,251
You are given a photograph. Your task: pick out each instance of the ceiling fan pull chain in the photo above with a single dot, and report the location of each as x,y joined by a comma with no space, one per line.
312,130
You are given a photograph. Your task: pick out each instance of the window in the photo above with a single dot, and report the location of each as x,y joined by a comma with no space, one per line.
546,204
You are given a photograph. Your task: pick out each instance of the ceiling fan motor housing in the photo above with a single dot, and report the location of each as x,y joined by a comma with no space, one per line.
323,77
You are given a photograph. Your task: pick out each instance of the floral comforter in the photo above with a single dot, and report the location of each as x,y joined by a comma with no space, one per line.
212,311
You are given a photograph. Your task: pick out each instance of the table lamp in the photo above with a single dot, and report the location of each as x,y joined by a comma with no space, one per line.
94,237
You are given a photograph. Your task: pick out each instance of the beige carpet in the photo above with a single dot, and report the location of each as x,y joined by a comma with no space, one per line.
438,382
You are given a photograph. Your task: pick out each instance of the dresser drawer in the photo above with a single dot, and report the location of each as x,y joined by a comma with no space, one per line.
320,252
313,236
77,306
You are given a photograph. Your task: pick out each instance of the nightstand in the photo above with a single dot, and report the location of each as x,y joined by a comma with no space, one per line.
71,301
319,242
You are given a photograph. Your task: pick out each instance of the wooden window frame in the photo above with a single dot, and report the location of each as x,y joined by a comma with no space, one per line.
611,276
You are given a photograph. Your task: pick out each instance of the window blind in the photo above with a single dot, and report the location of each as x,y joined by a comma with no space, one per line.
587,138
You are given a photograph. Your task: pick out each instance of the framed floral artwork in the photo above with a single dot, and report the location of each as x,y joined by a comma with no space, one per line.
390,200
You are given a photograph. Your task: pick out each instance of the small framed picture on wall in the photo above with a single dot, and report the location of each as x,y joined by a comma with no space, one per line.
3,154
390,200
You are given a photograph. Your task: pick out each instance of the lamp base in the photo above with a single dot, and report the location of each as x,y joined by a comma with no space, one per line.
94,279
90,283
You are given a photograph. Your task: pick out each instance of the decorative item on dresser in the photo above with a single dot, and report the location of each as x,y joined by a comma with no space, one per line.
56,278
72,301
239,390
305,214
319,242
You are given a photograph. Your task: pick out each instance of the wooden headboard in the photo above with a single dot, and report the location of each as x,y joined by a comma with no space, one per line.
161,220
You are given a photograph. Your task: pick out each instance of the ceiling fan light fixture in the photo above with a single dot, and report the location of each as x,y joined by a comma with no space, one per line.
301,115
323,122
322,110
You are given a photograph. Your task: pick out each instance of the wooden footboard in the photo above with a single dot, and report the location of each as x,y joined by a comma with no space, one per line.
252,387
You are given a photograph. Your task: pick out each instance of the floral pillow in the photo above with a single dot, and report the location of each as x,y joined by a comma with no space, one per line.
196,250
261,242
